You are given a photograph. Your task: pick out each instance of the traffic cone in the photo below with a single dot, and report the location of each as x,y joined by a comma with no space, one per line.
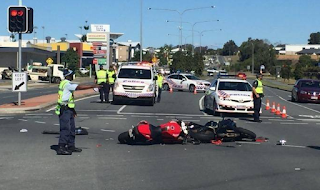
268,105
273,107
278,110
284,113
171,90
195,91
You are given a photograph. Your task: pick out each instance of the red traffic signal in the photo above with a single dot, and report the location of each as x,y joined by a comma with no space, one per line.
14,13
18,19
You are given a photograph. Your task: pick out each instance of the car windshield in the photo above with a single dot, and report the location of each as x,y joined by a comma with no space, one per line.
237,86
135,73
191,77
310,84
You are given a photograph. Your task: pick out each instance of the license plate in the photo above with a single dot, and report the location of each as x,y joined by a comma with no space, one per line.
314,98
133,95
241,107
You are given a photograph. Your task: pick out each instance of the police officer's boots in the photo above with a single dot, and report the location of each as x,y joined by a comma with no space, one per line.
62,150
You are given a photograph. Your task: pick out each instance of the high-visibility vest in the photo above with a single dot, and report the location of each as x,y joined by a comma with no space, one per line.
110,76
159,81
70,102
259,88
101,76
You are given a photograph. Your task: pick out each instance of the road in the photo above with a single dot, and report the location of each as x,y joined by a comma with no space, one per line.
28,162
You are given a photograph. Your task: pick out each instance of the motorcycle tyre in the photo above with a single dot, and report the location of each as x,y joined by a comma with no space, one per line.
202,137
124,138
246,134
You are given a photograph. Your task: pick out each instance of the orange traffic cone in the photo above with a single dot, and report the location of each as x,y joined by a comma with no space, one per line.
273,107
268,105
195,91
171,90
284,112
278,110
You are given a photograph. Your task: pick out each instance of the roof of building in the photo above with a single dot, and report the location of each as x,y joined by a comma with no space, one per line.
309,51
133,44
27,50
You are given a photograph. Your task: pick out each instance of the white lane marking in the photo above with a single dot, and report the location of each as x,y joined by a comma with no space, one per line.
294,103
124,106
192,120
279,120
163,114
293,123
182,117
315,120
22,120
163,119
33,117
109,115
56,124
85,127
265,122
39,114
294,146
106,130
143,116
84,117
246,142
6,118
112,118
200,105
54,107
41,122
97,110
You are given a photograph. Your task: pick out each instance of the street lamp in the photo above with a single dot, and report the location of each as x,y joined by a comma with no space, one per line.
141,30
204,32
252,69
43,33
181,13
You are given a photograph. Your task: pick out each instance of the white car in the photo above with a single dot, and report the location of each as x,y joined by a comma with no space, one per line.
212,71
185,82
230,95
83,70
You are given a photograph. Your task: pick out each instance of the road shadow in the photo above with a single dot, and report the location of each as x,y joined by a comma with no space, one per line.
314,147
54,147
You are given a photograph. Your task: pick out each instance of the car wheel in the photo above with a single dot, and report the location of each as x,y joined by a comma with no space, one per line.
57,80
191,88
214,109
292,98
166,87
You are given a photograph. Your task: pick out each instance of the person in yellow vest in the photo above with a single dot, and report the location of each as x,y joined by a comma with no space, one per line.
111,76
66,112
257,90
101,79
159,84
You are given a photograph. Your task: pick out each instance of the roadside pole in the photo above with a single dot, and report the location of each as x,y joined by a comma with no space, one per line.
19,66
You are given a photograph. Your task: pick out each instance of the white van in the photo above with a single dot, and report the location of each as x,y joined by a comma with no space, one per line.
135,82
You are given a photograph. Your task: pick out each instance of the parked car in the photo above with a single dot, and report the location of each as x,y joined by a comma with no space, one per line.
306,90
83,70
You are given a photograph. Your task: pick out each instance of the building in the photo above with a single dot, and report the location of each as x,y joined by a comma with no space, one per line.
296,49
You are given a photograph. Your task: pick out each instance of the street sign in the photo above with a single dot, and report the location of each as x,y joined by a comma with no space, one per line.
19,82
49,61
99,61
262,67
100,28
95,51
97,37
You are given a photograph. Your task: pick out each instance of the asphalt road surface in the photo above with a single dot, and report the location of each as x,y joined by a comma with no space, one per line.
27,160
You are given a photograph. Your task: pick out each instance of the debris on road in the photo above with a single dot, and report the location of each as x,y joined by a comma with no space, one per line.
281,142
23,130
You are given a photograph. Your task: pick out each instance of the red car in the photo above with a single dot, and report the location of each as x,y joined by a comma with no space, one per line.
242,76
306,90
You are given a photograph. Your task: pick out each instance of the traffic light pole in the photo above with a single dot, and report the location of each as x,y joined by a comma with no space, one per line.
19,65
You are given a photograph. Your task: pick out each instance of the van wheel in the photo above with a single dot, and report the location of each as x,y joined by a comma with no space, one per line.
57,80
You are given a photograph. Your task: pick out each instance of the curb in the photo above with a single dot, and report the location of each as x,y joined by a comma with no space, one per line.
277,88
39,107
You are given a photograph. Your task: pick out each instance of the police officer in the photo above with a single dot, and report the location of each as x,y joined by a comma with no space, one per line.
66,112
111,76
101,79
159,83
257,90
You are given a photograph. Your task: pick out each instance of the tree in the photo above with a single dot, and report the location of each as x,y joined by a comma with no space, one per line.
71,58
286,72
314,38
305,61
230,48
146,56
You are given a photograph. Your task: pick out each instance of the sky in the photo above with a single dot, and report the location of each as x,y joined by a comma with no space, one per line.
278,21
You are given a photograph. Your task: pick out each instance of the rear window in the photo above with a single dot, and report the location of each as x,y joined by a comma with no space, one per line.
310,84
237,86
135,74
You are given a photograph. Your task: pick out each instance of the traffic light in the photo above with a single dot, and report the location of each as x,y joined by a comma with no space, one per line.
30,20
18,19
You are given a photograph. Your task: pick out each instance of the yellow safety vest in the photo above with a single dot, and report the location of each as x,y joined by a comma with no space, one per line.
259,88
70,104
110,76
101,76
159,81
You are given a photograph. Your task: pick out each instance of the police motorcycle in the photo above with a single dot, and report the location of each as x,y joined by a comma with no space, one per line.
180,132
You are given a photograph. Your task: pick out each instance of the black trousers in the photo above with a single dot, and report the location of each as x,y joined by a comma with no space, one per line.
109,86
67,127
104,93
256,107
159,94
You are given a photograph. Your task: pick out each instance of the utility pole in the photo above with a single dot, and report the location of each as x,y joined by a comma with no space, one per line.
252,69
141,30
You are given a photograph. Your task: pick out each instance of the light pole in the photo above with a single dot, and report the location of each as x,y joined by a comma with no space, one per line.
200,35
180,14
34,33
204,32
141,3
43,33
252,69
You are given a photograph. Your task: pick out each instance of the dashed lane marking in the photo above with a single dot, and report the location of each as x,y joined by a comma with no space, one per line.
33,117
1,118
163,119
109,115
116,118
247,142
163,114
294,123
294,146
314,120
144,116
22,120
39,114
84,117
107,130
56,124
41,122
192,120
120,110
182,117
279,120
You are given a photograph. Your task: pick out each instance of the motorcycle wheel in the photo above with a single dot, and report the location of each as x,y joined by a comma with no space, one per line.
246,134
124,138
203,136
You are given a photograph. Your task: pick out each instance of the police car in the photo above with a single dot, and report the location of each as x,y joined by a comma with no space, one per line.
229,94
182,81
135,82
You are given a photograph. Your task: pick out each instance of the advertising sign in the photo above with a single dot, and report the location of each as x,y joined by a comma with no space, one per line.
100,28
97,37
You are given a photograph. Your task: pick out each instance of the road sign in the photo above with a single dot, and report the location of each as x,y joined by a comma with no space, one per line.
97,37
49,61
100,28
99,61
262,67
19,82
154,60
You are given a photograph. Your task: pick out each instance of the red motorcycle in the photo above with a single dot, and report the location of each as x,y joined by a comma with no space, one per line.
184,132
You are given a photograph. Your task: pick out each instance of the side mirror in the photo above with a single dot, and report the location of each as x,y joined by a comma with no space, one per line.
212,88
155,78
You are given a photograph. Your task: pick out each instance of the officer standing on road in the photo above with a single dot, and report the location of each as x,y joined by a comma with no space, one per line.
101,79
257,90
65,110
111,76
159,84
